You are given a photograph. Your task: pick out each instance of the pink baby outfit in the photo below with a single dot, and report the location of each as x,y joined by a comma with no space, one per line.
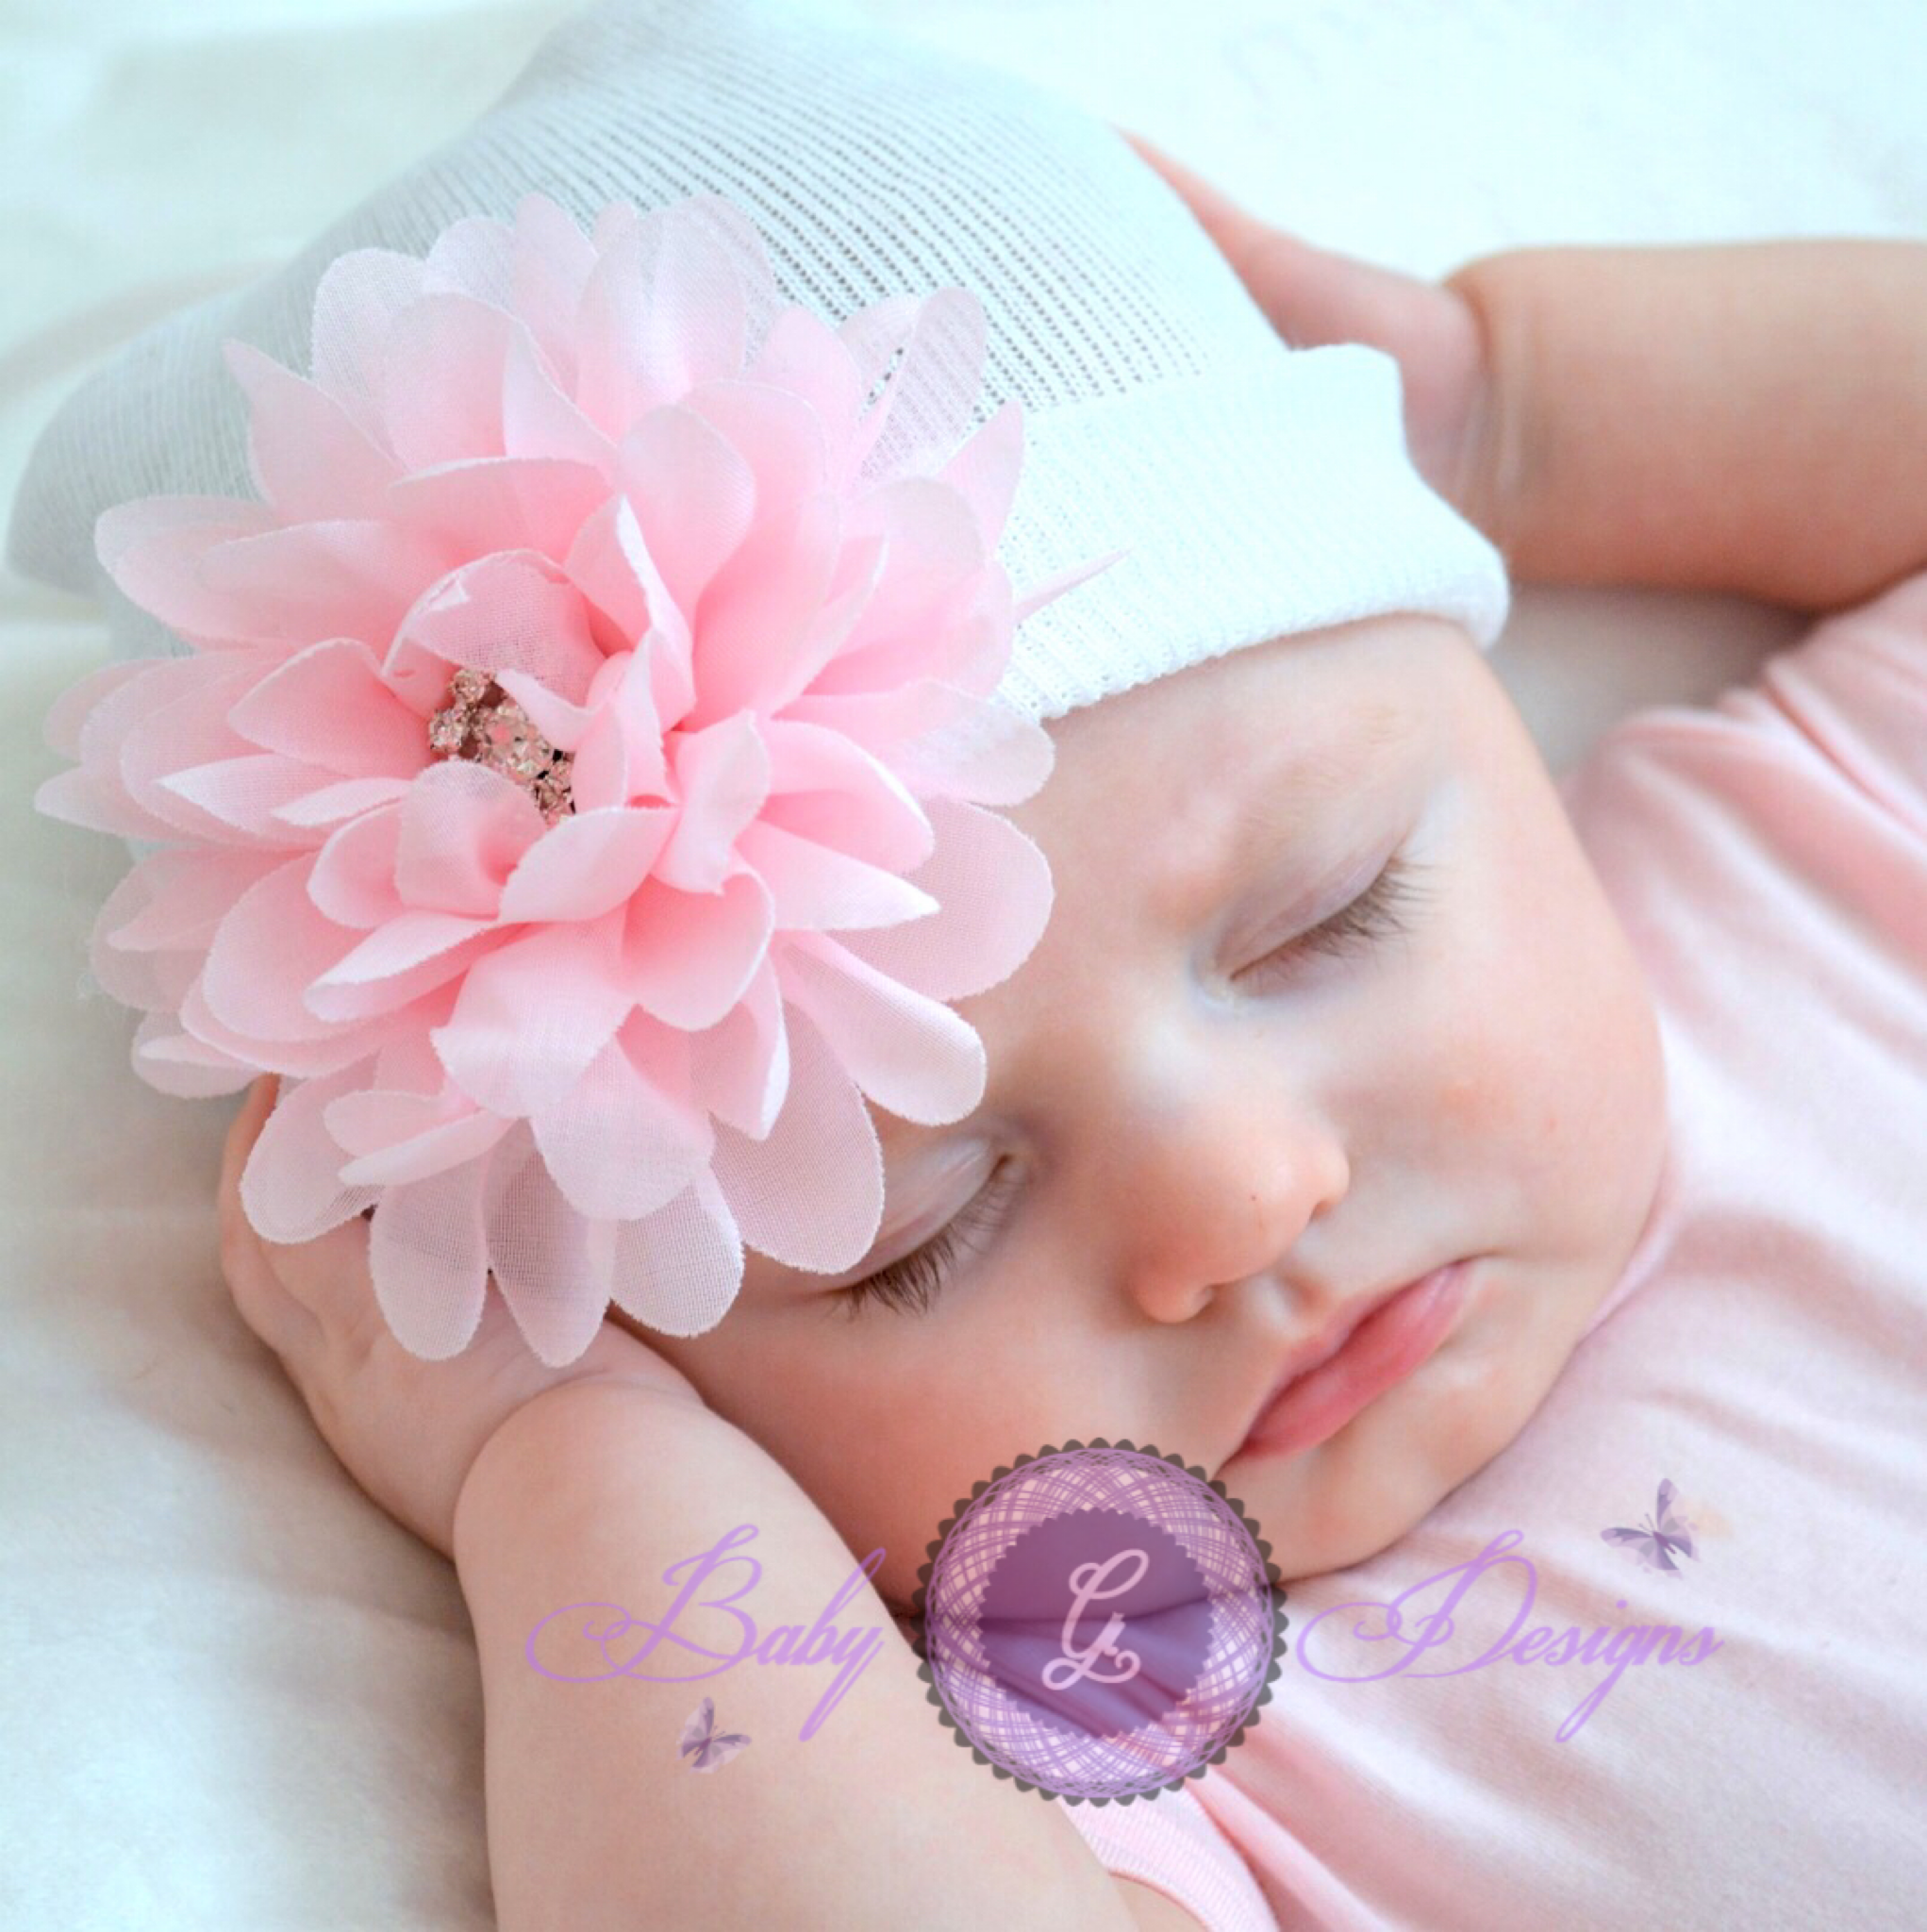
1765,1350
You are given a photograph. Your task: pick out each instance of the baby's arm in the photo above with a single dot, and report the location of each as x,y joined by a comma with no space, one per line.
1747,417
880,1819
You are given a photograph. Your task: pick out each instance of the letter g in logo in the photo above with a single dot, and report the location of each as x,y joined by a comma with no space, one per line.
1099,1621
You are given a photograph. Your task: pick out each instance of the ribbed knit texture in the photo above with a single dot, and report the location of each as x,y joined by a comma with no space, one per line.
1257,490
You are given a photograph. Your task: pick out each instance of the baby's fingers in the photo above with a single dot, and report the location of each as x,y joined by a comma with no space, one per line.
263,1300
1239,235
1312,296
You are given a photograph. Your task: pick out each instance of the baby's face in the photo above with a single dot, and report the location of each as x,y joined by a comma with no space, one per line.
1195,1151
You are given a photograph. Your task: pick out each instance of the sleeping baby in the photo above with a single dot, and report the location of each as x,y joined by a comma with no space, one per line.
750,1015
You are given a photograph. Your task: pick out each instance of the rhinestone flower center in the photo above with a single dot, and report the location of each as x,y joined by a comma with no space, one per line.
479,721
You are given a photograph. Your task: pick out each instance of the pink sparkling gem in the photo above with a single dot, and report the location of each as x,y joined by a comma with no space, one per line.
480,722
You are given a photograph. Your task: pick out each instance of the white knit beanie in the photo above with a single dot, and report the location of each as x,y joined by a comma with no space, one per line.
1256,490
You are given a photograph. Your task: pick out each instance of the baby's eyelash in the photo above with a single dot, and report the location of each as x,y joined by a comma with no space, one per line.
1373,915
913,1283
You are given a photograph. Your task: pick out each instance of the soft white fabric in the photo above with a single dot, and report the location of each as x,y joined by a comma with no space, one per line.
235,1693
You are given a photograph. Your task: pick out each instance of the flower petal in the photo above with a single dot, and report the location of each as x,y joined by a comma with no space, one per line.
464,828
60,727
90,798
677,1271
819,889
266,951
344,577
610,565
473,255
804,354
533,1014
810,1195
185,726
327,705
553,261
692,496
780,437
152,981
539,419
406,940
154,548
914,623
599,765
247,793
174,900
693,296
688,957
445,1144
940,741
989,755
408,1065
632,707
298,1059
540,1249
333,802
760,610
586,864
502,502
308,455
931,396
565,726
353,877
1051,589
741,1067
424,961
356,303
624,1141
994,894
913,1056
723,773
985,471
662,311
373,1118
291,1186
859,570
825,787
174,1062
442,379
428,1255
511,611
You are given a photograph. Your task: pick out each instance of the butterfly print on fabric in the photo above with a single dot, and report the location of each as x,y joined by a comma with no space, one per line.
1664,1535
702,1746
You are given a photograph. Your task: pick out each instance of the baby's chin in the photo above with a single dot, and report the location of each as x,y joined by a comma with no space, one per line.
1343,1502
1363,1489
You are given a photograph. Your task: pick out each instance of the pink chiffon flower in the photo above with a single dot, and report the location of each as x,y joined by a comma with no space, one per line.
575,785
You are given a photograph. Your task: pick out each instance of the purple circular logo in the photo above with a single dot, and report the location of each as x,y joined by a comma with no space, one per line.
1098,1622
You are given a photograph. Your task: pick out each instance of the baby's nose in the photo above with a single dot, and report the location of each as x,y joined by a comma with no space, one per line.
1204,1199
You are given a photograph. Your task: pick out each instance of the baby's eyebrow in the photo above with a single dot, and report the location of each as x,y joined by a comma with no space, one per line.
1335,762
1260,827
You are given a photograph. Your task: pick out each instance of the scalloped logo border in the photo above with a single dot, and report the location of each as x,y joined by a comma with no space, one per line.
960,1513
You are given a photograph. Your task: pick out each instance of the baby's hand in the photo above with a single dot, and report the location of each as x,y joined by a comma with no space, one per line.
1313,297
408,1430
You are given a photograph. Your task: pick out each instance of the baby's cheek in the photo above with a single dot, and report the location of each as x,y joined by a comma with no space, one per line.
1472,1100
1498,1004
1503,1048
1509,1101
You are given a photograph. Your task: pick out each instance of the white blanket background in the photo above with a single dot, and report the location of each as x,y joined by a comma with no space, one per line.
232,1692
